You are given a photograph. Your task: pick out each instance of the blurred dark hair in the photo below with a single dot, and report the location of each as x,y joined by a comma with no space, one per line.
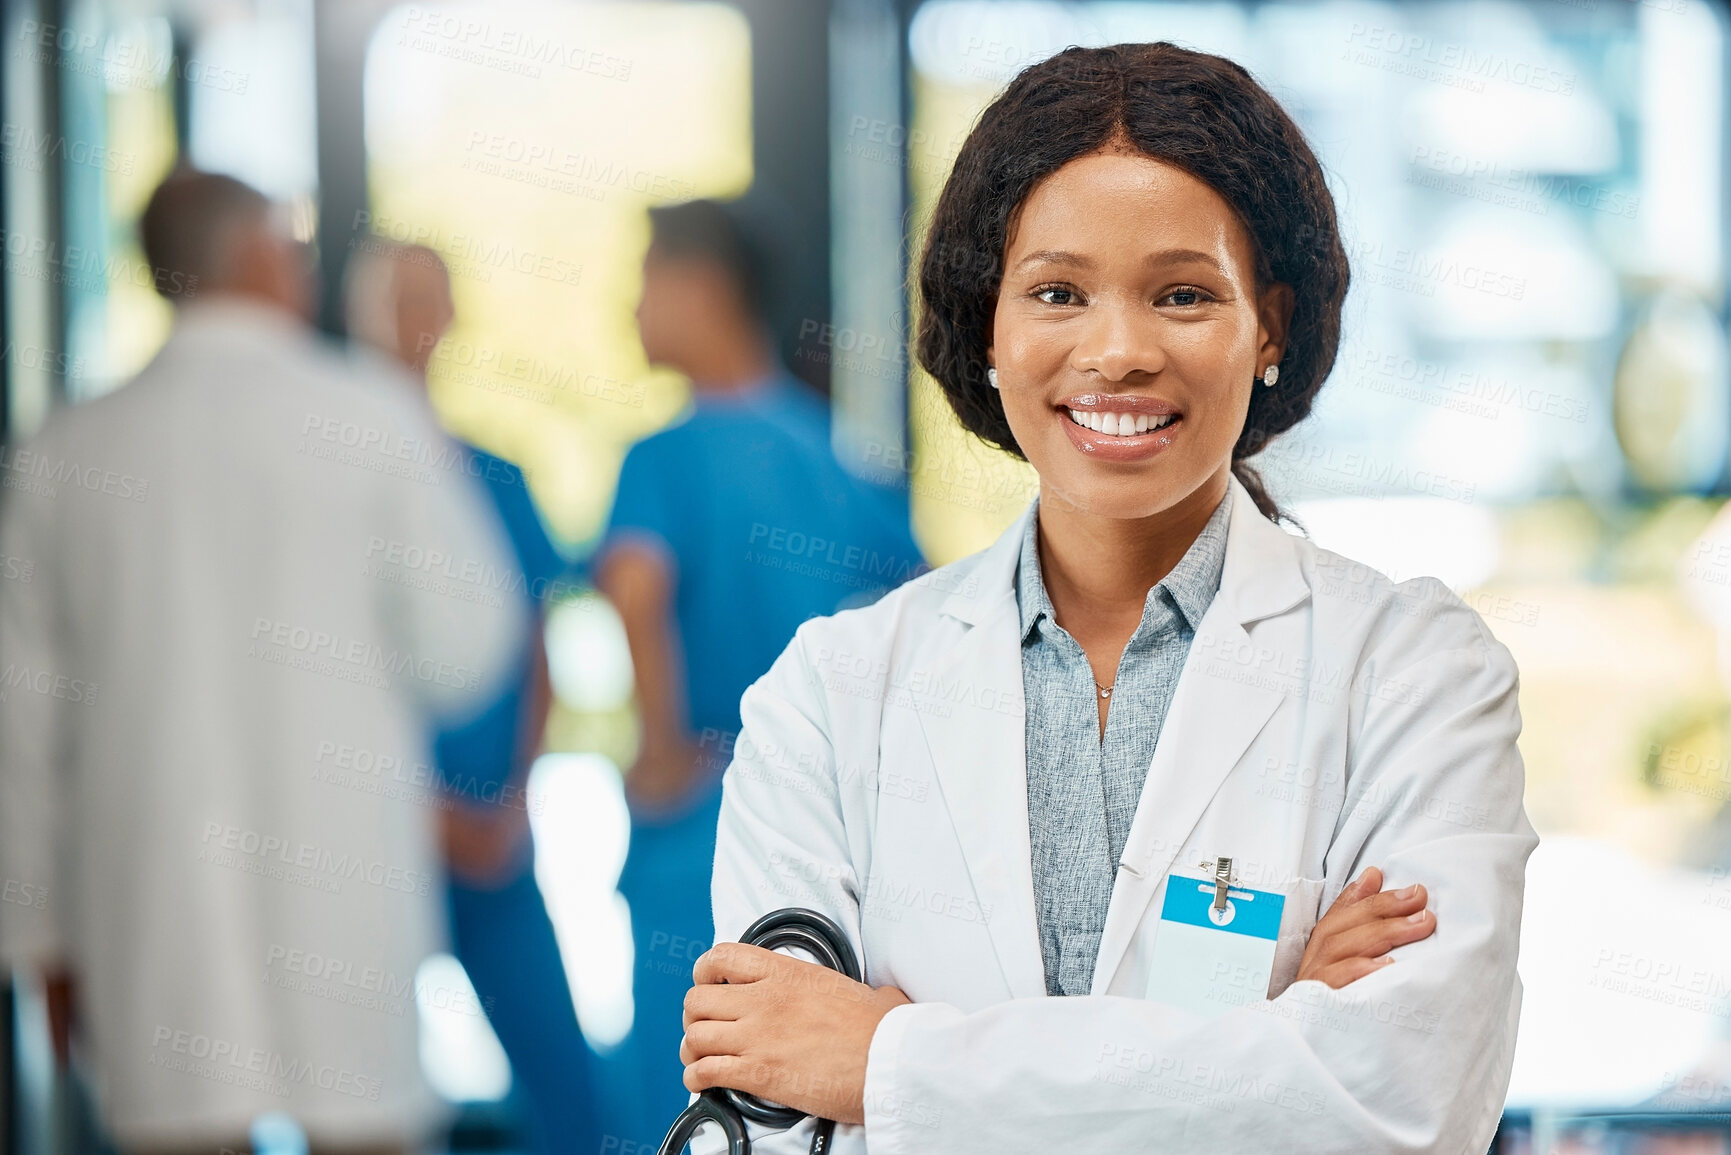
1200,113
710,231
189,227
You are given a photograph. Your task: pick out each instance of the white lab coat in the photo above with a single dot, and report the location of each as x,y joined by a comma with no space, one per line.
219,662
1326,720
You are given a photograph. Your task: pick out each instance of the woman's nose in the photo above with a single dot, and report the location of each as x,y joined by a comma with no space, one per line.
1117,341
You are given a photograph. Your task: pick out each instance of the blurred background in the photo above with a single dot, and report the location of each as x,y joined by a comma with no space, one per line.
1533,400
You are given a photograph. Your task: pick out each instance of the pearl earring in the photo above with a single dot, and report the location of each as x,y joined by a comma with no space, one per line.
992,376
1270,375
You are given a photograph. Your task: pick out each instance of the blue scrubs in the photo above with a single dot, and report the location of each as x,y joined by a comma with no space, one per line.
763,529
503,937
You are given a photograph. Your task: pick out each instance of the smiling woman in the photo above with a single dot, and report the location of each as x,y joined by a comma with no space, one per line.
1131,240
1242,227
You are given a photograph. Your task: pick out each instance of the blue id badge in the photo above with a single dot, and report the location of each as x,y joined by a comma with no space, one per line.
1208,961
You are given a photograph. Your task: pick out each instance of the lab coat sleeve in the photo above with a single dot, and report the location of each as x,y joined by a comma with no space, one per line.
466,635
1413,1058
781,840
32,733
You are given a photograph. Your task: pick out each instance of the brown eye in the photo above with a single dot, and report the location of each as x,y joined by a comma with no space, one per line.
1056,295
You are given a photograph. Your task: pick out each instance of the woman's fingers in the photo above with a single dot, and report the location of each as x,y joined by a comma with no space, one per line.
1351,970
1385,904
1368,882
1362,925
1376,938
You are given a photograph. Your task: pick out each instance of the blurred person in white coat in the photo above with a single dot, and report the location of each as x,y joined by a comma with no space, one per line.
1154,826
217,689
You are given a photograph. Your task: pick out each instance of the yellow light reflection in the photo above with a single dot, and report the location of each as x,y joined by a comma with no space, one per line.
526,146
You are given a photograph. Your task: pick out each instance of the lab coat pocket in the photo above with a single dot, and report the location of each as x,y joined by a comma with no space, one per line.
1297,919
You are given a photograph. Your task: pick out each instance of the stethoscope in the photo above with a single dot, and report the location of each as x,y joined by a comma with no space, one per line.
729,1109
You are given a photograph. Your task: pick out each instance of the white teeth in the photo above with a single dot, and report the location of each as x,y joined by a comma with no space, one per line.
1120,424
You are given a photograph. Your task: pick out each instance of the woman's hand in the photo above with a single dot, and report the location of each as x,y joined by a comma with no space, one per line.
1364,924
790,1031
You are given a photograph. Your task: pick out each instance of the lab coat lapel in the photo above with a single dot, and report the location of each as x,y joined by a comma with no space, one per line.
979,757
1214,718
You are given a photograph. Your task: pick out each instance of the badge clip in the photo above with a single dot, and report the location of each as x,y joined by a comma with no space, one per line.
1222,882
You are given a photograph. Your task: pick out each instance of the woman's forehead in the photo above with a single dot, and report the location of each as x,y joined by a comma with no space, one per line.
1116,204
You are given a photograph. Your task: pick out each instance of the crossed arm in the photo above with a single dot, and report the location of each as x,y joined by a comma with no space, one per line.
1428,1075
796,1032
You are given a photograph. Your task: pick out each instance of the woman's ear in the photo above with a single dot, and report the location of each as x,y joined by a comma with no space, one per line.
1274,318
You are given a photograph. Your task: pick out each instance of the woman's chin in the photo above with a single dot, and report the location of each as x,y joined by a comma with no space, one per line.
1119,498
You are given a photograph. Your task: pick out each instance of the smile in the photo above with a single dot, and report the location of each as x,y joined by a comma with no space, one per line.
1120,427
1120,424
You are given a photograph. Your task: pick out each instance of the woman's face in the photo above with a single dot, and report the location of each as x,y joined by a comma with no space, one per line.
1128,333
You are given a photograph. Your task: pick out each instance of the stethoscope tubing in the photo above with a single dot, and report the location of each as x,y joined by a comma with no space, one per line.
825,941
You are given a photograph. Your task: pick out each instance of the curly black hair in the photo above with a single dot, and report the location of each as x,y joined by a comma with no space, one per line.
1200,113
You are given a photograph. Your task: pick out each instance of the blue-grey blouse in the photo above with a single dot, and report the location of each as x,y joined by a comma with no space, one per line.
1083,787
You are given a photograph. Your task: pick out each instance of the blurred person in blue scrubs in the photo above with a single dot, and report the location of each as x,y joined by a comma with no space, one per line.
729,529
399,303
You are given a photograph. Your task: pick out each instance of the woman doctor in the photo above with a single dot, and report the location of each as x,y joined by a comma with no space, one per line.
1018,776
